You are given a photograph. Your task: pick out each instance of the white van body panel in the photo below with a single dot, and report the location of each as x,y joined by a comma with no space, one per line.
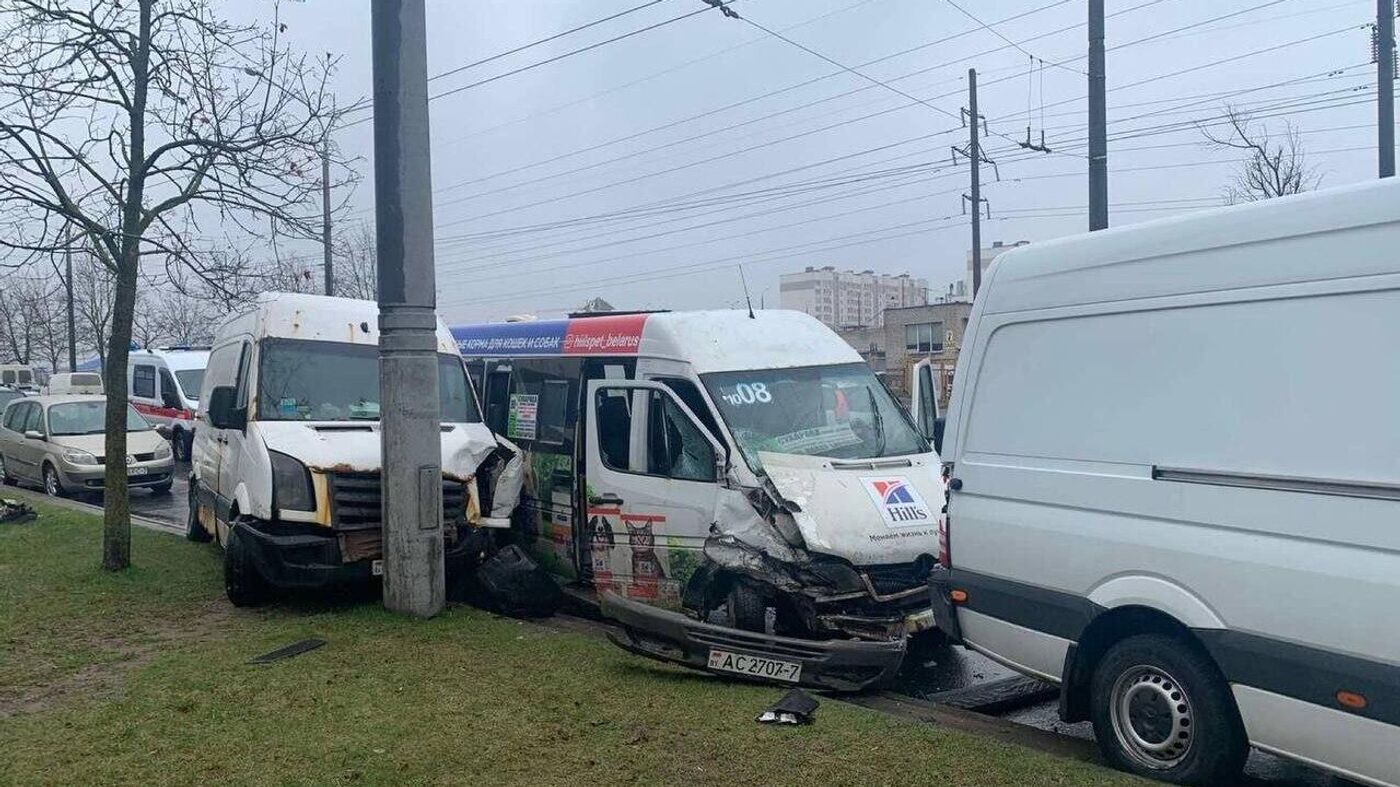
727,341
1197,416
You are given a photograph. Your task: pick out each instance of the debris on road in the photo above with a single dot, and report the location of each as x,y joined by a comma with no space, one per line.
796,707
13,512
513,584
294,649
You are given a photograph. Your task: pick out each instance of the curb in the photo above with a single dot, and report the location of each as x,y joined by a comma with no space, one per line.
30,496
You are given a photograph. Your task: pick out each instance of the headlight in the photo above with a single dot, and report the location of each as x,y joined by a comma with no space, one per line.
76,457
291,484
163,450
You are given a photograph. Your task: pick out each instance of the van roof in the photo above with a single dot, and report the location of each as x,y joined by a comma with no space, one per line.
711,341
293,315
1169,256
175,359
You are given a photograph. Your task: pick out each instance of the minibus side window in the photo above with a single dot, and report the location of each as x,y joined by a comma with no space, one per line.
143,381
675,446
615,430
497,396
689,394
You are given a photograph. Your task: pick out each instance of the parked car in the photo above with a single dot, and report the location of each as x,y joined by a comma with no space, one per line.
74,383
58,442
163,385
1174,484
746,465
286,461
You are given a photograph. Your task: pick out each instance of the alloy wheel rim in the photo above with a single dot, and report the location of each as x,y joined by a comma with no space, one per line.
1152,717
51,483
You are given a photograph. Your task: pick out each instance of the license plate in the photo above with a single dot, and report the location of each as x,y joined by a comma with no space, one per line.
136,471
376,568
755,666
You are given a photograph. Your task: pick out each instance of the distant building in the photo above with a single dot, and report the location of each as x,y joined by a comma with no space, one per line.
911,334
989,254
843,299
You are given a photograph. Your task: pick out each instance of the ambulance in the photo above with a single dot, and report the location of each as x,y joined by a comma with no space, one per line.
738,488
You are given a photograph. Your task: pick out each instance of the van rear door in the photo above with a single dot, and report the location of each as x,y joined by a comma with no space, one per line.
653,472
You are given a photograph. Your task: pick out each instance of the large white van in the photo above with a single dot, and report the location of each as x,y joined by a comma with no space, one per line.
286,466
745,465
1175,484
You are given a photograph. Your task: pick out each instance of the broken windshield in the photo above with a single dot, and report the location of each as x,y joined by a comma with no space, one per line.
842,412
333,381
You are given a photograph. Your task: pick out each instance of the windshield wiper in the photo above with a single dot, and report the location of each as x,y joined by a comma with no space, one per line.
877,420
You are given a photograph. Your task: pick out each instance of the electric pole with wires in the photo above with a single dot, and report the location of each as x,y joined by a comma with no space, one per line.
977,126
1098,122
1383,54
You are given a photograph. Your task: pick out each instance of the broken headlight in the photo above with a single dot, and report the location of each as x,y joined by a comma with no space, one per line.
291,484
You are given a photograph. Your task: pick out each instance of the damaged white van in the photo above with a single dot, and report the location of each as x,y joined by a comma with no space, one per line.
286,458
746,467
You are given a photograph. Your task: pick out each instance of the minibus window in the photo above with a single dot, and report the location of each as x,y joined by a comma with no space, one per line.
841,411
143,381
675,447
689,394
190,380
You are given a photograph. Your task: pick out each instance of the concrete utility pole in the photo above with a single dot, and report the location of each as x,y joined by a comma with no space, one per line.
1385,84
326,216
975,158
68,288
411,446
1098,122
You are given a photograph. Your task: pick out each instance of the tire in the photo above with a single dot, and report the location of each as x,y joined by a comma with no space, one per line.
178,446
194,531
5,477
748,611
53,485
1161,709
243,585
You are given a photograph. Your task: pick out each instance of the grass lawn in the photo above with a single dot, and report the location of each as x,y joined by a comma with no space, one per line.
140,678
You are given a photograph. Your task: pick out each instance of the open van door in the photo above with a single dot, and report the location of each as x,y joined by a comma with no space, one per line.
653,473
924,401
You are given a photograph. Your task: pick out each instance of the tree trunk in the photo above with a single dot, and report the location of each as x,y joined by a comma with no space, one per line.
116,509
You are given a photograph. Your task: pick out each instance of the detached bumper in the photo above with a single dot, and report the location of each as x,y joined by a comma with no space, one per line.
836,665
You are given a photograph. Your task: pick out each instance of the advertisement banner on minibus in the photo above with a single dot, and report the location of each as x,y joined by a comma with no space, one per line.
608,335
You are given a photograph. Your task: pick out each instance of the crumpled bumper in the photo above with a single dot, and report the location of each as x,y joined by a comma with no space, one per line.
835,665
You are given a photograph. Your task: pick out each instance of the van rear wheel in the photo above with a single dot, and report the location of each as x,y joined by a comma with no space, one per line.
1161,709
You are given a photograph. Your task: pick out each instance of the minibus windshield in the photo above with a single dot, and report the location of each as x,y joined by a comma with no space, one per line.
302,380
841,412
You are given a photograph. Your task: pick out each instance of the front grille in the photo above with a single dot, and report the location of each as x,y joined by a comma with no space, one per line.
896,577
355,500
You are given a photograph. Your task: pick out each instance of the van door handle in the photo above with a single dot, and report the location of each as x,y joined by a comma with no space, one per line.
605,499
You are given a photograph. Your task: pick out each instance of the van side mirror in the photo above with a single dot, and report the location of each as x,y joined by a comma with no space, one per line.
223,409
938,424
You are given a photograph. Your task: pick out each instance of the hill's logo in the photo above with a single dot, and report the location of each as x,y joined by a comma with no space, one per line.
899,502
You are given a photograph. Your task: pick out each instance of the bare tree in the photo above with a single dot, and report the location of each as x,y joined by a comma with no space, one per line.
1276,164
133,122
357,266
94,289
19,293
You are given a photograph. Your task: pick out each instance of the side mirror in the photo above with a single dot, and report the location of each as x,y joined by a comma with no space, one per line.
938,424
223,409
33,434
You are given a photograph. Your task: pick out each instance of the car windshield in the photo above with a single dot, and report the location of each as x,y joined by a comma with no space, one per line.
190,380
332,381
842,412
76,418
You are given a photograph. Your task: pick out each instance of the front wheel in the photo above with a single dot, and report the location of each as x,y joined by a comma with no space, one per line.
1161,709
53,487
194,531
5,477
243,585
748,611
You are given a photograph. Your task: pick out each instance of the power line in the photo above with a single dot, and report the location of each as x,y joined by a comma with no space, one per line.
998,34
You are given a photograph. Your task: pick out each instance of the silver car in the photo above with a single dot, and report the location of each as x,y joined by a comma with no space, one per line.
58,441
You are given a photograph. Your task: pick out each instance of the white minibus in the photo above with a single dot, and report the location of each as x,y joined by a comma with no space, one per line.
745,466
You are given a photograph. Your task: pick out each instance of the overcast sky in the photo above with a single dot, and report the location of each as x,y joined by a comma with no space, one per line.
588,176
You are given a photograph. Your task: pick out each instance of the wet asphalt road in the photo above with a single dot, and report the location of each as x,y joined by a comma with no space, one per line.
929,674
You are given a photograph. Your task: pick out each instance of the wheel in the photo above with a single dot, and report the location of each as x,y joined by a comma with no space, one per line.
243,585
194,531
747,610
1161,709
53,487
5,477
177,446
162,489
